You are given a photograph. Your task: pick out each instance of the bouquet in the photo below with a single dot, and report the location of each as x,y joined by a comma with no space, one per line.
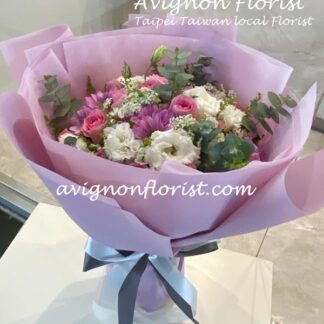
169,123
173,114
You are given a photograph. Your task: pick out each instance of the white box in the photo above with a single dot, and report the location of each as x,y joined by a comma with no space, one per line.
41,278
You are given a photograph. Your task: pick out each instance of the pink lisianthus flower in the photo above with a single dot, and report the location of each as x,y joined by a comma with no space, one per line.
75,130
221,125
255,156
192,165
113,85
101,153
117,96
154,80
184,105
94,124
150,119
139,165
95,99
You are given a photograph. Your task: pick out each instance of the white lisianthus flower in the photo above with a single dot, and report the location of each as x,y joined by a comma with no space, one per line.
232,117
207,104
120,143
170,145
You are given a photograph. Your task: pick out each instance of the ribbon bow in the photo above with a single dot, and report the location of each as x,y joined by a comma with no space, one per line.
127,282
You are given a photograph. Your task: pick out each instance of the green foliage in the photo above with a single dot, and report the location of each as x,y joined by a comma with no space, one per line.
288,101
278,102
64,106
176,72
126,72
274,99
157,56
233,153
90,87
70,140
204,132
274,115
216,155
165,91
197,70
249,124
260,113
50,82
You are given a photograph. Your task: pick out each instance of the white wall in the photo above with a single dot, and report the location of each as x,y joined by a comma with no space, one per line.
301,47
19,17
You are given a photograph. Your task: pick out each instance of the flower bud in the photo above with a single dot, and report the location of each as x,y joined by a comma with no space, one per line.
158,54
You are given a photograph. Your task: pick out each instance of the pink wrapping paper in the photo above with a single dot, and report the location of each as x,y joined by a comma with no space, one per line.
287,188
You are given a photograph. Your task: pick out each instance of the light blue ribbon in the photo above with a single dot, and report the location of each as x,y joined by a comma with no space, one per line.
165,267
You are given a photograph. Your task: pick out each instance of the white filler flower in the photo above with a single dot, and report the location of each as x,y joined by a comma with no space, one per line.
170,145
135,80
120,143
207,104
232,117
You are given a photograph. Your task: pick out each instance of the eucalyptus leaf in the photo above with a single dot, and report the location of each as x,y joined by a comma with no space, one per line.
274,115
171,54
62,111
197,69
50,82
266,126
182,62
249,124
182,79
184,54
215,150
230,154
274,99
259,110
205,60
47,98
283,112
288,101
173,68
75,106
165,91
63,94
64,106
165,72
70,140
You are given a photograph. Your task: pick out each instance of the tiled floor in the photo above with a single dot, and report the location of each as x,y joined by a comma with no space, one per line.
295,248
